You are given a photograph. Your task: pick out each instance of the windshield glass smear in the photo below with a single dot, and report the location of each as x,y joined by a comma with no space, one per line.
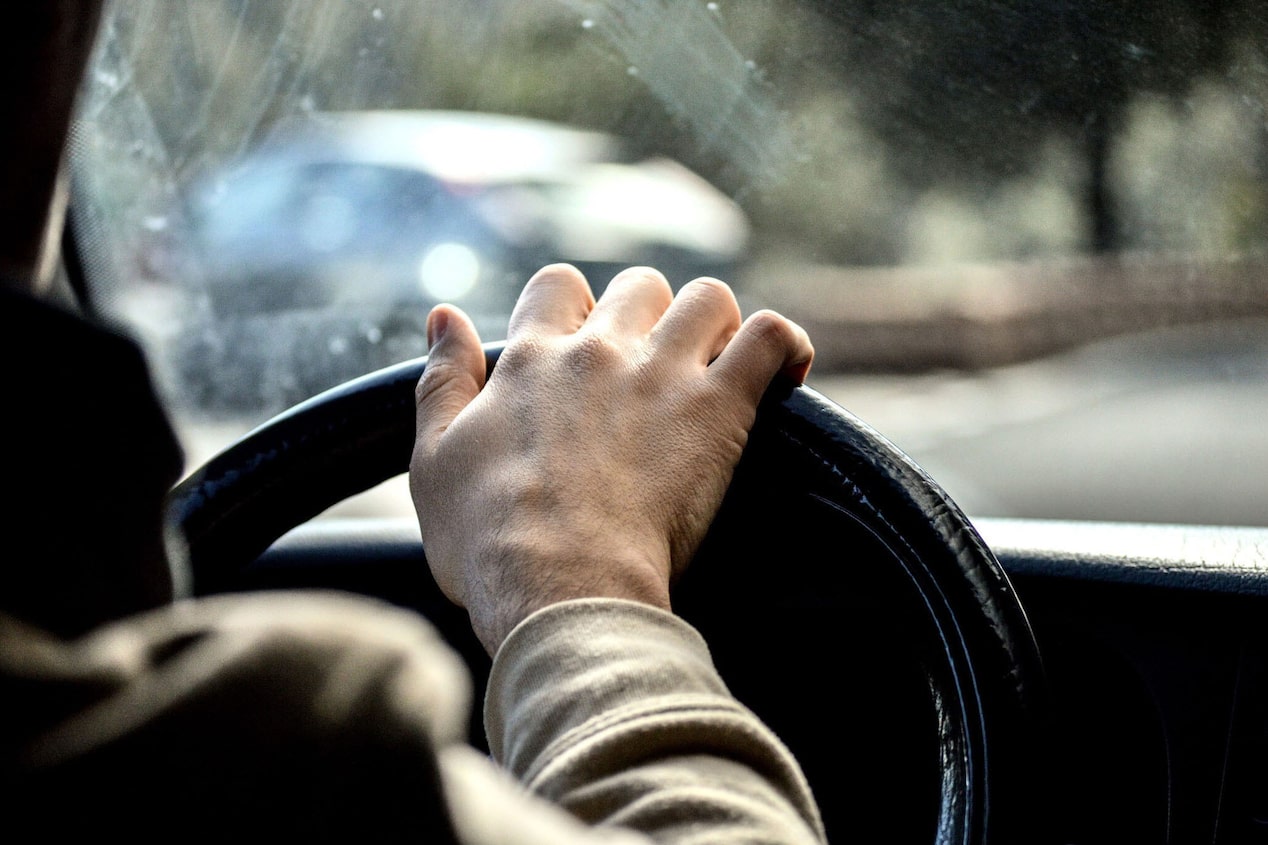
1026,239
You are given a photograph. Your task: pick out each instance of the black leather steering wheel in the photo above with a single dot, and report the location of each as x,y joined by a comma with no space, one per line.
846,598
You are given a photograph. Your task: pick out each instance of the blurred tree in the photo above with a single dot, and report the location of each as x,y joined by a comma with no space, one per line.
975,85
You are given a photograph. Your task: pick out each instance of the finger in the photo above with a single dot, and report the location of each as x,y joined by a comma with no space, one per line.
555,301
701,321
454,374
767,343
632,303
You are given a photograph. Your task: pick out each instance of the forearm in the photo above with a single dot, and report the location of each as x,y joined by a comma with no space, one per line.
614,710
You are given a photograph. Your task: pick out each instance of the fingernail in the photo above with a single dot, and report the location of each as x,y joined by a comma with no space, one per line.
436,325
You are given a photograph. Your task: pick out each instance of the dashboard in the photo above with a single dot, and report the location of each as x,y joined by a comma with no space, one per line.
1154,640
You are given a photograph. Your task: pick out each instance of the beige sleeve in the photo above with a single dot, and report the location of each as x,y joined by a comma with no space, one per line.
614,710
312,714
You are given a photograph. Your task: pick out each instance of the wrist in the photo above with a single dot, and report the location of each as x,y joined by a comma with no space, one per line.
522,577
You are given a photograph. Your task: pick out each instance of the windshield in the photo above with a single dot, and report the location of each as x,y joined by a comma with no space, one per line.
1026,238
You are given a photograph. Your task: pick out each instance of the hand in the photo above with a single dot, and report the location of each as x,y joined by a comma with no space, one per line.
597,455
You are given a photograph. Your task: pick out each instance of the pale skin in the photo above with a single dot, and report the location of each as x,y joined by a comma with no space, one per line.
593,461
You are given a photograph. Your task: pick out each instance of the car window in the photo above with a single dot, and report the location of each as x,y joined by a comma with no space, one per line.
1028,239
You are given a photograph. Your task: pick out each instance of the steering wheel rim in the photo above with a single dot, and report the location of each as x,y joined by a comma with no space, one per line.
978,652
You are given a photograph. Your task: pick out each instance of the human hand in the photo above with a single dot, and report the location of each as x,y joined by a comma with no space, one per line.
594,460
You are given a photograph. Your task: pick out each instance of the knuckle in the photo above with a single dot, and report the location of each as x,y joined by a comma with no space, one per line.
434,378
641,275
770,328
713,295
593,352
707,286
519,355
557,275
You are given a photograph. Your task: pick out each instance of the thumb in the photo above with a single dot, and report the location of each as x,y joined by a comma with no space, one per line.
454,374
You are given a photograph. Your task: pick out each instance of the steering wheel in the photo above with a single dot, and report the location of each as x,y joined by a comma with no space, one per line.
847,600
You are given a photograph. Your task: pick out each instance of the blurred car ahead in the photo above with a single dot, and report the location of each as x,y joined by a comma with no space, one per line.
322,250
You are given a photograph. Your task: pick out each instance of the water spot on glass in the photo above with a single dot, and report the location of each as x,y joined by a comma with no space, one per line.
587,24
338,345
108,78
363,52
631,70
750,64
712,7
374,334
307,103
377,14
155,223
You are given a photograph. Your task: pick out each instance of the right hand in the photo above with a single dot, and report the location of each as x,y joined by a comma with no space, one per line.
594,460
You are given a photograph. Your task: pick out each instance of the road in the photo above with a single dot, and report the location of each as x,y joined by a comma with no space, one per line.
1161,427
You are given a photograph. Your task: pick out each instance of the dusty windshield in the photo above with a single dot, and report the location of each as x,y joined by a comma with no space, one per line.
1028,240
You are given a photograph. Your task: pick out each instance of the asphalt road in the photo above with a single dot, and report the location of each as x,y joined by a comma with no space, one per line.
1161,427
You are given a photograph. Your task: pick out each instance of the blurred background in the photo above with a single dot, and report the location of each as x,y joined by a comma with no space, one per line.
1027,238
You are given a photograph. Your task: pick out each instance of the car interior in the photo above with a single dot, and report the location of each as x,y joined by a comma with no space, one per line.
997,572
